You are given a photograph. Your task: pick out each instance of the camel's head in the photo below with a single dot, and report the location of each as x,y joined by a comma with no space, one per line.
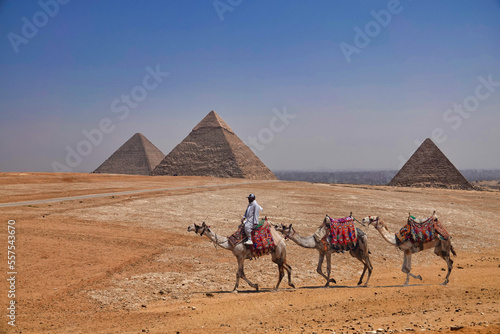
199,229
285,230
371,220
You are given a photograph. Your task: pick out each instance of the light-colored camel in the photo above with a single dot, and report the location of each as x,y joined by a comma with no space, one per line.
442,248
242,253
360,252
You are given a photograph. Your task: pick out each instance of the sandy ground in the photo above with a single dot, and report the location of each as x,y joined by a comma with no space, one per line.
126,264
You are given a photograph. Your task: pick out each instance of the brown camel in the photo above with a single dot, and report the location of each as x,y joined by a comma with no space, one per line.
442,248
242,252
360,252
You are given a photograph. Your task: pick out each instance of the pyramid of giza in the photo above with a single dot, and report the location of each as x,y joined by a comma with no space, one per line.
213,149
429,167
138,156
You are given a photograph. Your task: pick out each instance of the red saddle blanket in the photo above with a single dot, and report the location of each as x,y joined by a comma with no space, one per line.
263,242
343,234
423,232
262,239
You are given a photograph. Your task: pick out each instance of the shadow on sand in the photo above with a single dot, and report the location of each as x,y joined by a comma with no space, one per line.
313,287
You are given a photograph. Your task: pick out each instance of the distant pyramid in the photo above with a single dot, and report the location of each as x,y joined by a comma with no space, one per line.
429,167
213,149
138,156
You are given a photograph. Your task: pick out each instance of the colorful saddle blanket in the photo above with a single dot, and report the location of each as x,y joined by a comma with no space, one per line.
422,232
262,239
343,235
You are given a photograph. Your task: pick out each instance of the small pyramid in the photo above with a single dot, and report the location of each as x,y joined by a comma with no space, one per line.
429,167
138,156
213,149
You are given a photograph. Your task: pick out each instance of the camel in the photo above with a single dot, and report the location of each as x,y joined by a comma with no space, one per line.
242,253
442,248
360,252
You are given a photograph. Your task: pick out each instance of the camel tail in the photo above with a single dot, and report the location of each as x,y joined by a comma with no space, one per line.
452,250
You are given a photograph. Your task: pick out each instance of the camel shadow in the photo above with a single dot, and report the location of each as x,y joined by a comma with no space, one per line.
362,286
310,287
249,291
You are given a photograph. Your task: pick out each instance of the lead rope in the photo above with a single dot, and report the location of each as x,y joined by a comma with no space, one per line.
216,242
357,221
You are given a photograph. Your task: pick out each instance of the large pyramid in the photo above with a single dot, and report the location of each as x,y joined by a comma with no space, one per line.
429,167
213,149
138,156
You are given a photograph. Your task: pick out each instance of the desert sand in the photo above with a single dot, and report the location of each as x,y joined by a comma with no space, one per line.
125,263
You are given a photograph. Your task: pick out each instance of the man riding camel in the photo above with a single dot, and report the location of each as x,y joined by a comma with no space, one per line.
251,217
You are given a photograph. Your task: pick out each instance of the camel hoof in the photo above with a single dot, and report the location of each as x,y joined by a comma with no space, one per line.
235,291
292,285
419,277
333,280
444,283
256,287
327,284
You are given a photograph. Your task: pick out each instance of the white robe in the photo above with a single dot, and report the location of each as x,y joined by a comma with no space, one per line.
252,217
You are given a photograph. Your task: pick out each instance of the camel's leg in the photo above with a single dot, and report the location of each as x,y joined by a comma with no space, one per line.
288,269
281,271
278,256
443,250
241,274
329,269
365,260
319,269
365,257
370,267
238,275
407,268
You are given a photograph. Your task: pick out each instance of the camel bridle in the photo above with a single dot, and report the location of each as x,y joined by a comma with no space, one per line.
290,233
375,223
203,227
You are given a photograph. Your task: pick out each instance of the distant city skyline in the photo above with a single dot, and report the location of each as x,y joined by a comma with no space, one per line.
344,85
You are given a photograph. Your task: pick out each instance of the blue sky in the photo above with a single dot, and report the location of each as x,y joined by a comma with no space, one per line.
250,61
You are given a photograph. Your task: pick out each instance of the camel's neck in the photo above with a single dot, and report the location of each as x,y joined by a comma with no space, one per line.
306,242
384,232
218,240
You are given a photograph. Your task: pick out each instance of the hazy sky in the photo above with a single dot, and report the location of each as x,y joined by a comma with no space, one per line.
309,85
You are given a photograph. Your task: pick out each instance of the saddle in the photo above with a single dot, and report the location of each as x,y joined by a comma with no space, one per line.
238,236
420,231
263,242
342,234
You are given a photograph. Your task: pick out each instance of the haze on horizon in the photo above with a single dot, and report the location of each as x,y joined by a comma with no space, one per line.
329,85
